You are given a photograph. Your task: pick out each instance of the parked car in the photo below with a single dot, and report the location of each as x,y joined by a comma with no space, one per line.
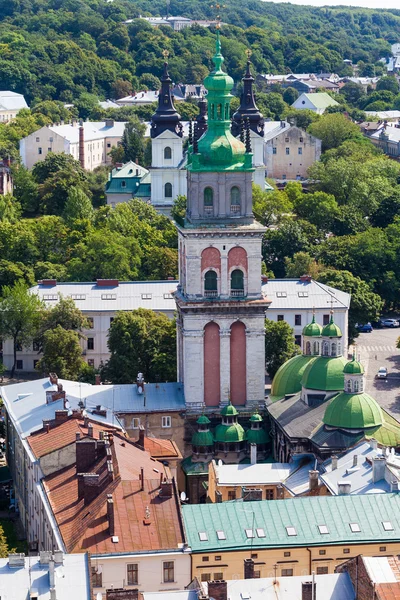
367,328
382,373
390,323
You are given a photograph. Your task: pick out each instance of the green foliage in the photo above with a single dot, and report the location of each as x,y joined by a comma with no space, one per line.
178,210
10,209
279,345
77,207
319,208
132,142
302,263
333,130
388,83
141,341
270,207
62,353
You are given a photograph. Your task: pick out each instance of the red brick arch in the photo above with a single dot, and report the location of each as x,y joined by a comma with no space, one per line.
237,257
211,259
212,373
238,363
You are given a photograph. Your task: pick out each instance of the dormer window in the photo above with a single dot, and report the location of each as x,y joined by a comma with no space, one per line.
208,201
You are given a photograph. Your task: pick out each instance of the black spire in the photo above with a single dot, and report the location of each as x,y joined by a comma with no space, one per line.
201,118
166,118
195,139
248,138
248,108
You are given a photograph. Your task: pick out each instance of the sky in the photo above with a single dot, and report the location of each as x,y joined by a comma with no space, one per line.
364,3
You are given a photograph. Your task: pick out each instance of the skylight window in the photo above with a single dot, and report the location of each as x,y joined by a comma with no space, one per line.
168,297
221,535
260,532
281,294
146,296
291,531
323,529
303,294
78,296
50,297
203,536
387,526
355,528
249,533
109,296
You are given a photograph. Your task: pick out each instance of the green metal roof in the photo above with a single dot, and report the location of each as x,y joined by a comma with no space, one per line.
332,330
202,438
321,100
256,418
312,329
190,467
288,377
229,433
303,514
324,373
353,367
257,436
229,411
203,420
353,411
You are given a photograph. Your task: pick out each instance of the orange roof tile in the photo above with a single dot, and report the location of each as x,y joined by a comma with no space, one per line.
61,435
388,591
85,528
161,448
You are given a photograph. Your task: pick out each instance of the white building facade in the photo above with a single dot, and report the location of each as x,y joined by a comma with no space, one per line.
10,105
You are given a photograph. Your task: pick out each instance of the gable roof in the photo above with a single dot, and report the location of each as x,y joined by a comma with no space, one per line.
93,130
12,101
158,448
302,295
319,100
304,514
85,527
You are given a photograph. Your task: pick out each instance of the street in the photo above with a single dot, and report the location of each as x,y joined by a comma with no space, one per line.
378,349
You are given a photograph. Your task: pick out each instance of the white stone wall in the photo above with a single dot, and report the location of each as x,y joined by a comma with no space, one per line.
44,141
161,176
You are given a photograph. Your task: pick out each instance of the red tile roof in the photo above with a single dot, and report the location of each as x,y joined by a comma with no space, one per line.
85,528
62,434
388,591
161,448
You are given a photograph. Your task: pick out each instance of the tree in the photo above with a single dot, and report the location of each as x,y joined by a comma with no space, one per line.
178,210
62,353
365,305
141,341
20,314
333,130
149,81
302,263
319,208
290,95
269,207
302,118
25,189
10,208
66,314
77,207
132,141
279,345
388,83
353,92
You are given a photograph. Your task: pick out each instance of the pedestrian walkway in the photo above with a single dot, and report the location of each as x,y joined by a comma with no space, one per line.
377,348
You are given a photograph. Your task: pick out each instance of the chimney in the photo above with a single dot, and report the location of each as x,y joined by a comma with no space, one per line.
81,145
344,488
109,123
90,429
334,459
85,421
88,486
218,590
16,560
253,454
97,379
307,590
306,278
46,425
248,568
140,441
86,452
48,283
374,444
166,489
77,436
58,557
355,460
264,279
110,515
53,378
140,383
61,416
378,468
52,579
313,480
141,476
394,486
107,282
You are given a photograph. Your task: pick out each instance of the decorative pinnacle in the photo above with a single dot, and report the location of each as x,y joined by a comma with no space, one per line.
217,8
190,132
165,54
248,139
248,53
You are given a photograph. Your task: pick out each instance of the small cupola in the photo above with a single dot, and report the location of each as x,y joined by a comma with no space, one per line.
311,343
331,339
248,109
166,117
353,377
257,434
203,439
229,435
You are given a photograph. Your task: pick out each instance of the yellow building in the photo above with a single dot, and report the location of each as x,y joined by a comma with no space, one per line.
290,537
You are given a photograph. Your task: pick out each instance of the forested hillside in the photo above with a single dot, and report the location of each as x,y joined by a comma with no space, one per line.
61,49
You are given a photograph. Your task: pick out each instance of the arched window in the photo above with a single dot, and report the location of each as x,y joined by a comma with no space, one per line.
210,284
316,348
167,152
361,385
235,200
168,190
356,385
348,385
333,349
325,349
308,348
339,349
208,201
237,283
219,111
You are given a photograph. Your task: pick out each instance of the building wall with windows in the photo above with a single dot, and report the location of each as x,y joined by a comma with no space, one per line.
290,153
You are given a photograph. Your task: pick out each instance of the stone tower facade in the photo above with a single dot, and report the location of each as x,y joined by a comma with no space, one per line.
221,309
167,180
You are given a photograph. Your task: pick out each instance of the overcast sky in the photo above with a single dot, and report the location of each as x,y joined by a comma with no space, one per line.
364,3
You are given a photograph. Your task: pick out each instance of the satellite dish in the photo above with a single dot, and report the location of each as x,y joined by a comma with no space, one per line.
67,405
183,497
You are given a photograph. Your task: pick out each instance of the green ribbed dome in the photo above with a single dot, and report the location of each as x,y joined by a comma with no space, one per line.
353,411
324,373
287,379
353,368
229,411
313,329
331,330
203,438
257,436
256,417
230,433
203,420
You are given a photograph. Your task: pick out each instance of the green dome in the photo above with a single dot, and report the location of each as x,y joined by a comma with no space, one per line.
203,420
229,411
324,373
353,411
313,329
256,418
287,379
203,438
257,436
331,330
230,433
353,368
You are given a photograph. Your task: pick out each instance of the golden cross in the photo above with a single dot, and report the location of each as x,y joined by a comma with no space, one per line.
218,7
249,53
165,54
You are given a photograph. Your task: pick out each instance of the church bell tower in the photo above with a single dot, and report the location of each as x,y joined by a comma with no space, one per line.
221,308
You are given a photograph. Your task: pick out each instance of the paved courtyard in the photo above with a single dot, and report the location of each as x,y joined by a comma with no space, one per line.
378,349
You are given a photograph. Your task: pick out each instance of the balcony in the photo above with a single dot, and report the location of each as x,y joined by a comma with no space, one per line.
235,209
211,293
208,211
237,293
